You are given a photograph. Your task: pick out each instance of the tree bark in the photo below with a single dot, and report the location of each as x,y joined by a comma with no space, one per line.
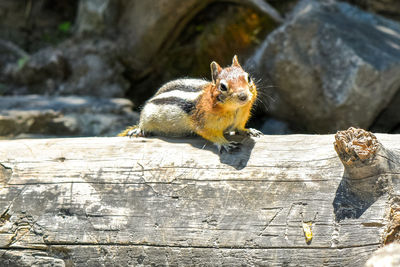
281,201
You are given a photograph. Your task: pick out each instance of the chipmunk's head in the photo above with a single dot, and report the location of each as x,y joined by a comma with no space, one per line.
233,86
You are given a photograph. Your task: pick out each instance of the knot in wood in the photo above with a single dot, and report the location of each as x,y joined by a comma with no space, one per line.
355,144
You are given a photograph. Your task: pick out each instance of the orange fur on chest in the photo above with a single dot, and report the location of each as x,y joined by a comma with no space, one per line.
212,114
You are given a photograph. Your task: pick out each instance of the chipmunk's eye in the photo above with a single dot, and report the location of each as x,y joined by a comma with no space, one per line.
223,87
249,79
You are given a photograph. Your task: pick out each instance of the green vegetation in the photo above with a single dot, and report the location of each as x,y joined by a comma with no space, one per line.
22,61
64,27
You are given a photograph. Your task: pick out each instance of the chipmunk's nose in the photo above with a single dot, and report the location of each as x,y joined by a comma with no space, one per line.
242,96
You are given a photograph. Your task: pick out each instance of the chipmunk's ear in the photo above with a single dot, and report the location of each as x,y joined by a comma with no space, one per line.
215,70
235,62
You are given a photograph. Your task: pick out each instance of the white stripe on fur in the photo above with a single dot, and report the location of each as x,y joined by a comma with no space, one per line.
190,96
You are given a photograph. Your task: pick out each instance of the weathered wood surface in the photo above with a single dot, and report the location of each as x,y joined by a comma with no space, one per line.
127,202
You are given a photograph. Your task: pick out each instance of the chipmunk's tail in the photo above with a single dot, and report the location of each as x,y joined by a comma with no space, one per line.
128,131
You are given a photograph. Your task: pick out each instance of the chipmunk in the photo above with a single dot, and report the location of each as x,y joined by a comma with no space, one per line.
209,109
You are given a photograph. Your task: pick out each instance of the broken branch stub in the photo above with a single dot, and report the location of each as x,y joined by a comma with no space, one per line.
361,153
366,162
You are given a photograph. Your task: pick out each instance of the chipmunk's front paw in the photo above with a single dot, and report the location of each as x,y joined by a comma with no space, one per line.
250,132
254,132
230,147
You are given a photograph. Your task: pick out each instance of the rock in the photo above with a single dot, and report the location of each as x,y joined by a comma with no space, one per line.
387,8
272,126
388,120
96,16
95,69
41,70
387,256
334,66
64,116
75,67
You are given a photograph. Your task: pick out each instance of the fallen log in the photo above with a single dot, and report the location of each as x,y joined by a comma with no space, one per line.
281,201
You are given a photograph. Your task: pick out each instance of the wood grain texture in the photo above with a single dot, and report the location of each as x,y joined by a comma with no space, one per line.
121,201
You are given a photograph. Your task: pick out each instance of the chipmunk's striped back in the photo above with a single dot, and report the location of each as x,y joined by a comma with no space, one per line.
168,112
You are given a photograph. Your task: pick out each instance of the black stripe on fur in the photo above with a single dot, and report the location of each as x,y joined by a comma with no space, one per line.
185,105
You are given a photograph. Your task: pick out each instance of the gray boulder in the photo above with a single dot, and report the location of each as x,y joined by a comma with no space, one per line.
388,120
387,8
41,71
333,66
64,116
273,127
95,69
96,16
75,67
